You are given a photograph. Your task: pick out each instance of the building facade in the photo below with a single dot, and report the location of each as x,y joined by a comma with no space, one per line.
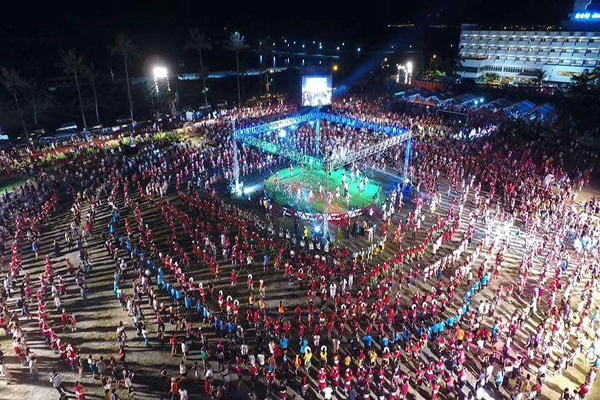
523,55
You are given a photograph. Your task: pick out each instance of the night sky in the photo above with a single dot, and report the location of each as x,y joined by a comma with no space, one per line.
33,33
109,15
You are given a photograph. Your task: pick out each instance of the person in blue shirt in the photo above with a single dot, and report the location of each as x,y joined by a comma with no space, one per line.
385,342
217,325
368,340
284,342
34,247
484,280
304,346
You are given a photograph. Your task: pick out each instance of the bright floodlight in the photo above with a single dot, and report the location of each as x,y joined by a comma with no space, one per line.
409,66
160,72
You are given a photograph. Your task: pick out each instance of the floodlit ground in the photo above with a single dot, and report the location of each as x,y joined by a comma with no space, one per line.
99,315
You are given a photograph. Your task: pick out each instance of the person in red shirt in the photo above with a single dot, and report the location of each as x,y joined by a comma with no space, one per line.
583,390
79,392
173,342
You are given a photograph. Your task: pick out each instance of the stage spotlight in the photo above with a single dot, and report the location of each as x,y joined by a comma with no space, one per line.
282,133
250,189
317,228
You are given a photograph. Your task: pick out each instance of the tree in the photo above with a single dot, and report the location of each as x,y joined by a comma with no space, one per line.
199,42
90,73
264,51
582,82
540,77
71,63
34,94
13,83
125,48
236,44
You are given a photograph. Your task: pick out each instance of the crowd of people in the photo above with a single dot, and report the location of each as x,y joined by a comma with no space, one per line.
479,281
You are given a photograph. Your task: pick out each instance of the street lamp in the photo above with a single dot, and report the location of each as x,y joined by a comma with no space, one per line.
335,67
431,61
160,72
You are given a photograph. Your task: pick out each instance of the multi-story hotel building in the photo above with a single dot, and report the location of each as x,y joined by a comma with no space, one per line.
521,55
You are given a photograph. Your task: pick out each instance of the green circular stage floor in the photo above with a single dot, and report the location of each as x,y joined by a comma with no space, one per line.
311,178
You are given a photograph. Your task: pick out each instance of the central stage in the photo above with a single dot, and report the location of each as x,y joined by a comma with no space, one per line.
311,178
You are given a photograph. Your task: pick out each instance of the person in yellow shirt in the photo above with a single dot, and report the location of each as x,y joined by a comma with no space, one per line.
323,355
373,356
307,358
459,334
347,361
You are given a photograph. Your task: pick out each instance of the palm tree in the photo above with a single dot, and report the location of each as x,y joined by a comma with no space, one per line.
71,63
540,77
90,73
236,44
199,42
13,83
34,95
125,48
582,82
264,51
